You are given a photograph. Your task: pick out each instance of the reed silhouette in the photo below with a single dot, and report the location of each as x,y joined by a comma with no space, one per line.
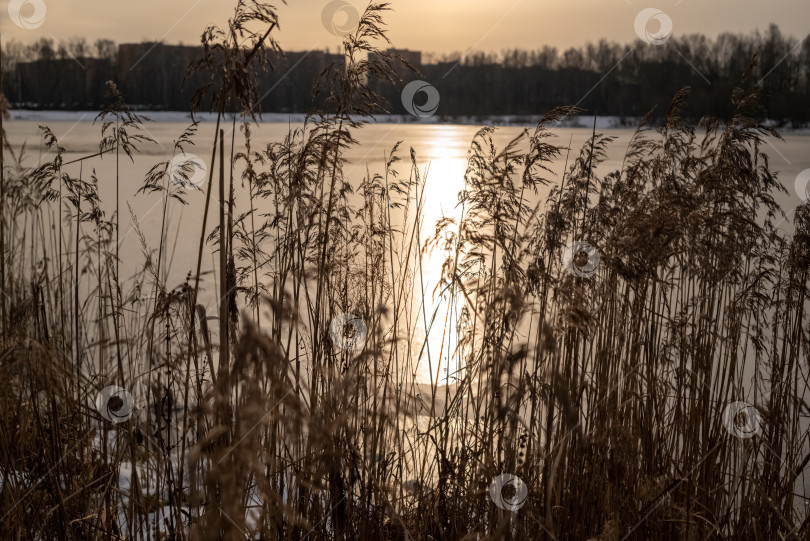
601,384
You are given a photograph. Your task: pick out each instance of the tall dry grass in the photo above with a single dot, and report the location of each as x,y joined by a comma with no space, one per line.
602,386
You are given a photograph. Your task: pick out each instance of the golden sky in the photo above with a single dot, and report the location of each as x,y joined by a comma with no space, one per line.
440,26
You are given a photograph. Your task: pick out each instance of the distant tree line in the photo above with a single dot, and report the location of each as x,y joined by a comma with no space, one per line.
629,80
604,78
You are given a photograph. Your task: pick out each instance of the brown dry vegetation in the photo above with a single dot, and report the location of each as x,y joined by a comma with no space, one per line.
603,393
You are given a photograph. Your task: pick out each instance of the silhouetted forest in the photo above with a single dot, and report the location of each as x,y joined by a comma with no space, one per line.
606,78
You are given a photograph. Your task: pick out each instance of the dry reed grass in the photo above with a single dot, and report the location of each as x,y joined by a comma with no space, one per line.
603,393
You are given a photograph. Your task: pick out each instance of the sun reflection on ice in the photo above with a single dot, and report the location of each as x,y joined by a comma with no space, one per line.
442,179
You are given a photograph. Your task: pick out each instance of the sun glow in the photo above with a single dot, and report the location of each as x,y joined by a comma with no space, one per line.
442,180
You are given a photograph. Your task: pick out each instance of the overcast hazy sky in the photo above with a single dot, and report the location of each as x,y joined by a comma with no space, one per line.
429,25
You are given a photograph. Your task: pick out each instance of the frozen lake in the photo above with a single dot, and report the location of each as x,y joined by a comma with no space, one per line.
441,150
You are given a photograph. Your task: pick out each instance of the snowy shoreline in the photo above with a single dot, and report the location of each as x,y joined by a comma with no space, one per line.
581,121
